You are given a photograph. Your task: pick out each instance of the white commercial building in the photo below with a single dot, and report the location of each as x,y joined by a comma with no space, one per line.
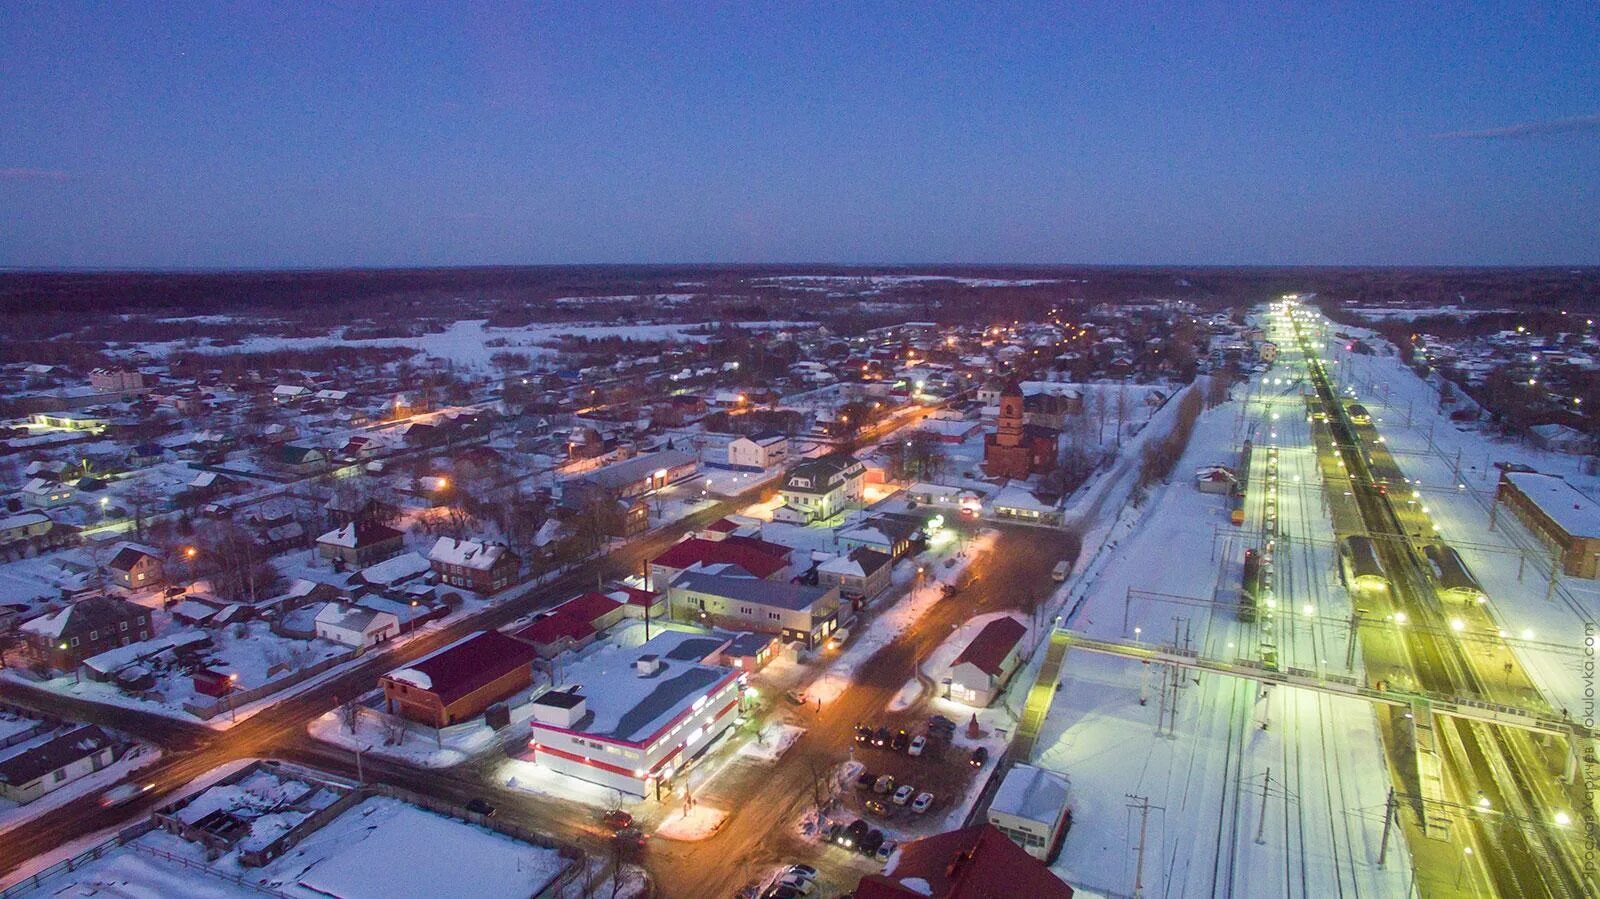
759,452
355,626
630,719
1032,808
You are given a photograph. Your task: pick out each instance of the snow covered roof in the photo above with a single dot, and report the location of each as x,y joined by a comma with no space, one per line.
465,665
1572,510
989,649
48,626
1031,793
467,553
359,533
394,570
1018,496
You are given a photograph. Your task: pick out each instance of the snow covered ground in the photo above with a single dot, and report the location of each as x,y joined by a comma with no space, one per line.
422,746
1155,580
380,849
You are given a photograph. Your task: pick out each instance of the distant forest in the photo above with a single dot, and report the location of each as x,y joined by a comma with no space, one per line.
502,291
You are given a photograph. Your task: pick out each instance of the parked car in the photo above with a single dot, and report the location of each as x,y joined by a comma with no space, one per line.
863,734
901,741
795,697
480,806
886,850
903,794
806,871
921,803
918,743
877,808
854,834
617,819
801,885
865,780
979,756
880,737
778,891
884,785
630,836
871,842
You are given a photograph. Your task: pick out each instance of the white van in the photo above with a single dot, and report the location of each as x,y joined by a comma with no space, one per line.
1062,569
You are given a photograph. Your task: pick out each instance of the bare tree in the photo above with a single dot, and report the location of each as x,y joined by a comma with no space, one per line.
350,714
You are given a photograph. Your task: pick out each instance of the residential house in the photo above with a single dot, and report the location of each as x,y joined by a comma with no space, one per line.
354,626
458,682
32,768
360,543
301,460
85,628
818,489
42,493
572,624
483,568
24,526
860,574
891,536
980,673
134,567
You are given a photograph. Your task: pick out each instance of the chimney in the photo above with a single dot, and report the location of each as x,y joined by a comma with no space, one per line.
647,665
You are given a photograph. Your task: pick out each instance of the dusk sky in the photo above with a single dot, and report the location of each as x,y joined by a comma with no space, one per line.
186,135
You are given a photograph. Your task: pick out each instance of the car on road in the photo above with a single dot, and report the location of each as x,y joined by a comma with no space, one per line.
921,803
886,850
779,891
900,741
122,794
903,794
865,780
877,808
480,806
795,697
631,837
880,737
884,784
918,743
617,819
863,734
979,756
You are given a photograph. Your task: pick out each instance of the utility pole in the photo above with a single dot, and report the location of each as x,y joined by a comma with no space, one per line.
1388,824
1261,822
1142,803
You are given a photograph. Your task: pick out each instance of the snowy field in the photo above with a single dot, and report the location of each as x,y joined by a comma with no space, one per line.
380,849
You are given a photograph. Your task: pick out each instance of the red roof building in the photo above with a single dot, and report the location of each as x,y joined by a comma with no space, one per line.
757,558
983,668
459,681
971,863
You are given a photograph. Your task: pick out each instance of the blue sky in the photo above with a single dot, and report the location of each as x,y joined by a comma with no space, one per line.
326,134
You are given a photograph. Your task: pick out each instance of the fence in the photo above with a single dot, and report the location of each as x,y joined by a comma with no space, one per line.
123,837
205,711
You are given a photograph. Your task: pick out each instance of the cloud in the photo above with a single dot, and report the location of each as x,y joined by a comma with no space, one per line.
1527,129
26,174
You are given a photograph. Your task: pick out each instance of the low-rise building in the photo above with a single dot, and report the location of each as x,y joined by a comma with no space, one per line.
32,768
1557,513
355,626
45,493
861,573
481,567
818,489
85,628
793,611
729,555
976,862
630,719
360,543
758,452
134,567
980,673
1032,807
458,682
